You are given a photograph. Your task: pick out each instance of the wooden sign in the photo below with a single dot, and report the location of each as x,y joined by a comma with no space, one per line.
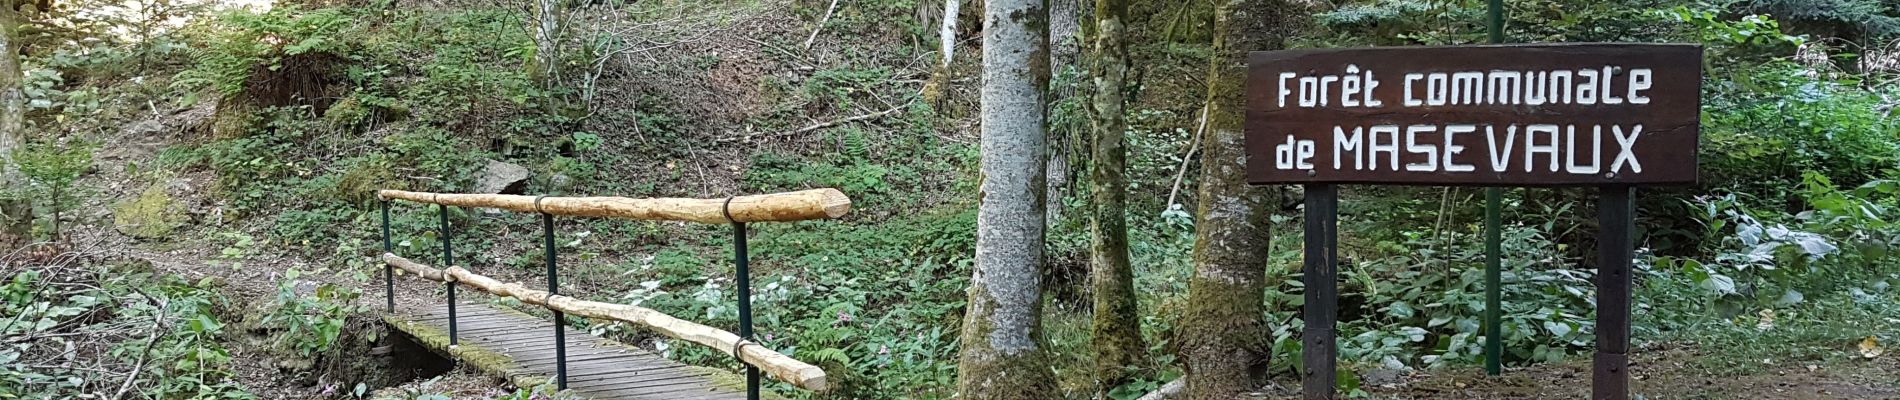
1543,115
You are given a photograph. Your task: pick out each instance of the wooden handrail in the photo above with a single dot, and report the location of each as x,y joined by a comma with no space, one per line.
788,206
778,366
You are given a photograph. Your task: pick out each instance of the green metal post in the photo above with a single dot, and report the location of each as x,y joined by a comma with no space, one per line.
1493,274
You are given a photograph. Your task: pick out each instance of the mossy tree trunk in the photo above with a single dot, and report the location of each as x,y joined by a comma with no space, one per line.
1003,355
1116,328
16,211
1225,340
1065,47
550,28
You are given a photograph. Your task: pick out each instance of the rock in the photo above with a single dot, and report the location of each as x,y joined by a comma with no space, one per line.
296,364
153,214
1383,377
501,178
560,182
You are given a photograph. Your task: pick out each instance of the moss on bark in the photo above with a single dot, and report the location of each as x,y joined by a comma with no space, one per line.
1003,354
1225,340
1116,327
984,372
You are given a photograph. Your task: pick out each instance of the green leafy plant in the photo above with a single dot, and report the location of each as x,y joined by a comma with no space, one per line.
162,331
312,314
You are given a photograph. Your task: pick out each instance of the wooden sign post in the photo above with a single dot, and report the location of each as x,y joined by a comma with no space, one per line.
1614,116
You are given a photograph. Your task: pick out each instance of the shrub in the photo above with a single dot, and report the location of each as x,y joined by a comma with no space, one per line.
311,321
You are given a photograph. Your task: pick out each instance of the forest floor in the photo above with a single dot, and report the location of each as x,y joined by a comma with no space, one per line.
1670,369
1664,373
249,275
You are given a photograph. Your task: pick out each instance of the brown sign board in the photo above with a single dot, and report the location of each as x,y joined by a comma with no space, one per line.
1517,115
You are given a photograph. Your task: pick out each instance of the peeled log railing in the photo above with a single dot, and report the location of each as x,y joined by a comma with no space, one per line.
778,366
776,207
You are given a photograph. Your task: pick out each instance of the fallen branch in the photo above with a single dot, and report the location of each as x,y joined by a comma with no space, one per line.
821,24
150,342
789,206
1167,391
778,366
823,125
1193,144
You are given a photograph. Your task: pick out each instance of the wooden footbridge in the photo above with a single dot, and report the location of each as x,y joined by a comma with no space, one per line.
529,351
519,348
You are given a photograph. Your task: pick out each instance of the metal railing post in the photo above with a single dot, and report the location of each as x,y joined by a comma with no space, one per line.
448,261
554,287
740,258
389,272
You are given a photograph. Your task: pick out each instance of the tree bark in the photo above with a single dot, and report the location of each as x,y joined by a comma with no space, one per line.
550,25
1065,45
1225,341
1002,353
1117,326
947,34
16,210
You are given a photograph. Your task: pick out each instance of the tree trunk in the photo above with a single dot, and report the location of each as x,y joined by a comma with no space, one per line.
1225,341
16,210
1002,355
550,20
1065,45
947,35
1117,327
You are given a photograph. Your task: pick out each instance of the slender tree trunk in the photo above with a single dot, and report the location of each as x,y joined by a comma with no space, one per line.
947,34
16,211
1065,45
550,20
1225,338
1002,355
1117,328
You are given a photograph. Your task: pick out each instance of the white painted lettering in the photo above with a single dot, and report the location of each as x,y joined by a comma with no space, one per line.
1437,87
1342,142
1283,89
1467,87
1414,146
1506,87
1309,91
1640,81
1628,154
1452,150
1531,149
1596,152
1501,160
1587,88
1409,100
1349,87
1391,150
1609,96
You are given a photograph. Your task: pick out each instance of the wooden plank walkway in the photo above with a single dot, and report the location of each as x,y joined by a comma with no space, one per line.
520,348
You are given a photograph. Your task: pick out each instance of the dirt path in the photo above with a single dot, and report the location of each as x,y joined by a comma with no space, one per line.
1656,375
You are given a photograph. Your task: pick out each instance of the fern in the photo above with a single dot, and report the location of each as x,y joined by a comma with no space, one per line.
250,39
1871,19
1381,12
